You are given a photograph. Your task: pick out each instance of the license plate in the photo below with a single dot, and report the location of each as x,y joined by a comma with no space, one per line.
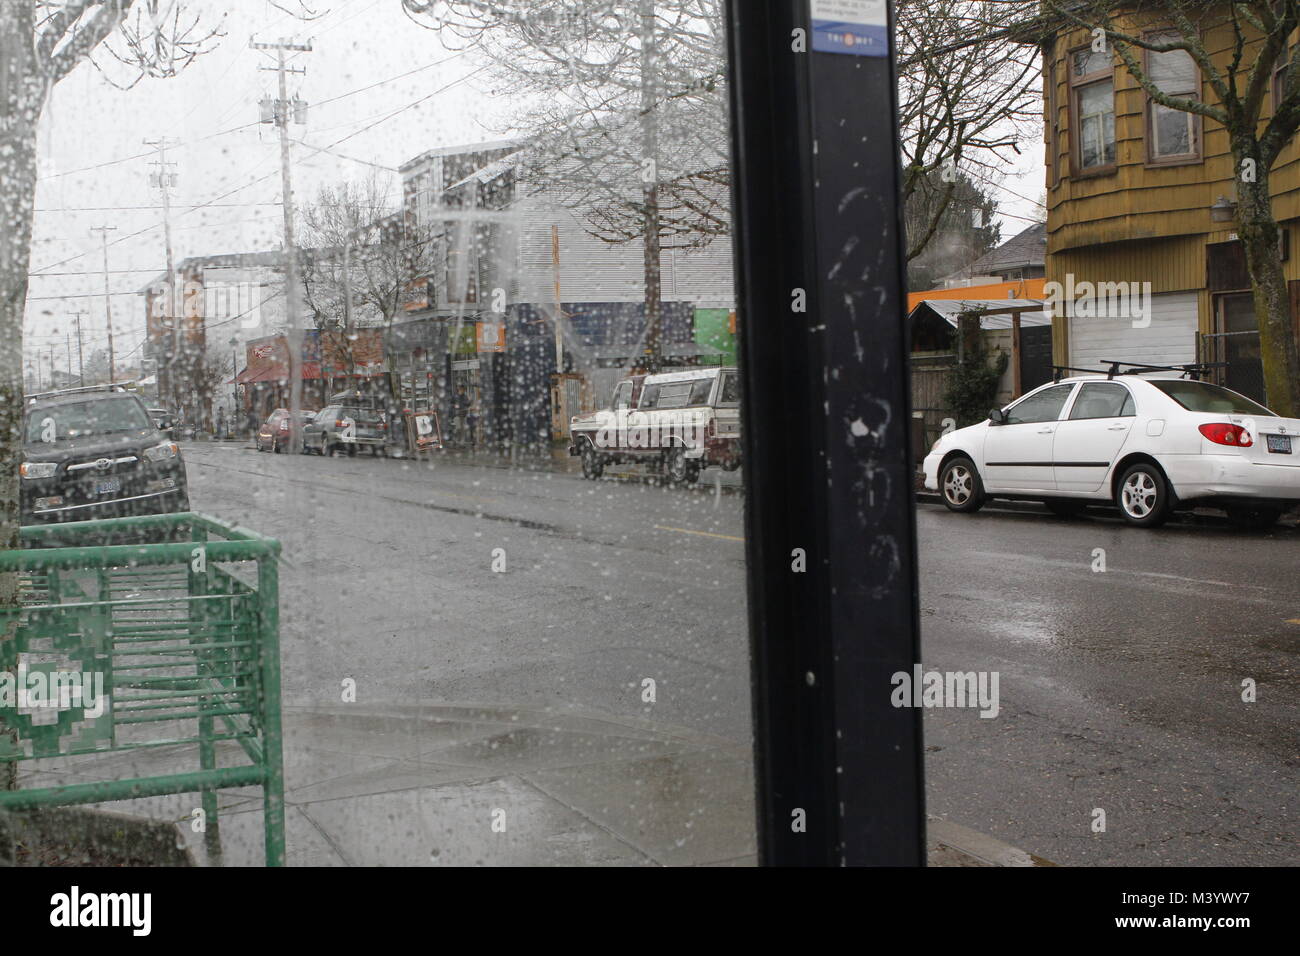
1279,444
109,486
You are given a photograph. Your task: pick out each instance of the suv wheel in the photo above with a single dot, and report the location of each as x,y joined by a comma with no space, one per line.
960,486
1143,496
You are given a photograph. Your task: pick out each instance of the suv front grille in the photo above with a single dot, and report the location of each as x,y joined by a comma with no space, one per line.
114,464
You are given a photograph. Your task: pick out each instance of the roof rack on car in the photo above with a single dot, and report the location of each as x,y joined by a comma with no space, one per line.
115,387
1190,369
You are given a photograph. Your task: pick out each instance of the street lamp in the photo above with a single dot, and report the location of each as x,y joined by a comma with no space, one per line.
1223,210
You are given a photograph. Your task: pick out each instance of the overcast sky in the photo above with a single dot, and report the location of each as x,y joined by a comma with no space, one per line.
95,169
225,154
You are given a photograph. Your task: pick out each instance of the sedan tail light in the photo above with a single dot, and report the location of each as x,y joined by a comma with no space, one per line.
1223,433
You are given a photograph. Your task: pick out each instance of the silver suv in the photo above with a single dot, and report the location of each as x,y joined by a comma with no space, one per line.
349,427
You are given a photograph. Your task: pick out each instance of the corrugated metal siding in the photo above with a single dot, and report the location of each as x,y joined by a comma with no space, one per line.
1170,339
1170,265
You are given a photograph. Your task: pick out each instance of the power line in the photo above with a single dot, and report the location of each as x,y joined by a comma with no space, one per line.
212,202
230,205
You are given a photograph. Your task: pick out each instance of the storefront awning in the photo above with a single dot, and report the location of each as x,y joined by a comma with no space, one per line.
311,371
267,373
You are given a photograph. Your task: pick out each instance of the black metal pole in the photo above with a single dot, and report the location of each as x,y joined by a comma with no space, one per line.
827,413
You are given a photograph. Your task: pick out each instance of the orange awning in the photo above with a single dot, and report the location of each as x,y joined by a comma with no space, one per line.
1020,289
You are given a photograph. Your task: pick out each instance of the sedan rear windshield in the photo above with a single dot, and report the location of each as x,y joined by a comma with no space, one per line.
1204,397
83,419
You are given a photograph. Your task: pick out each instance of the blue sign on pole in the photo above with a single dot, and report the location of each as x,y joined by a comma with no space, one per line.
855,27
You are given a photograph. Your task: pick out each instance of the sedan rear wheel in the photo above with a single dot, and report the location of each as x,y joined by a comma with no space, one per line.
1143,496
960,486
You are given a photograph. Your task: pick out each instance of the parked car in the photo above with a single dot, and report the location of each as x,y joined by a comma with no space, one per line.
339,427
274,433
1151,443
164,420
96,453
678,422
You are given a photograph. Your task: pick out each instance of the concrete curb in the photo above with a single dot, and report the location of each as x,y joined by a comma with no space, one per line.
80,836
951,844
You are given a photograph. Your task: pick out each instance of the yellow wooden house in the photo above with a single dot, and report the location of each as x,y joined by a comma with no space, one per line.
1140,203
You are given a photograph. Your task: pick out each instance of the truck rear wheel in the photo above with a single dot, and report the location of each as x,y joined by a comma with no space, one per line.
680,469
593,466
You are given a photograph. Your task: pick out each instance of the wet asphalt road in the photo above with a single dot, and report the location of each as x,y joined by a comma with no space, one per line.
1120,690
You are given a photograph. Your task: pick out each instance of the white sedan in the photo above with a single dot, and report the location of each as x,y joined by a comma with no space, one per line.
1149,443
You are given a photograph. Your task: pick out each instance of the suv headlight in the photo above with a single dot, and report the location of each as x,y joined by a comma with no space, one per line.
38,469
162,452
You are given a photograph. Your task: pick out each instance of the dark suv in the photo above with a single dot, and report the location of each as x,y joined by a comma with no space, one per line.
96,453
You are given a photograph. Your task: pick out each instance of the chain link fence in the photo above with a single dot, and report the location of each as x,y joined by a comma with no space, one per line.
1240,351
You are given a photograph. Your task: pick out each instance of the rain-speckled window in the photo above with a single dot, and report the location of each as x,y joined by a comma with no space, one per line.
396,286
424,445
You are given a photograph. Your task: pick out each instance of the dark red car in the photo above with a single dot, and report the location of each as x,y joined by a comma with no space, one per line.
274,433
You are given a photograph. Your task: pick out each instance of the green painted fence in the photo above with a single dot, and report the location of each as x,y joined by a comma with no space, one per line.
171,623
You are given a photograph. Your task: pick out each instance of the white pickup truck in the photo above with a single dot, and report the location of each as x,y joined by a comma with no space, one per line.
679,422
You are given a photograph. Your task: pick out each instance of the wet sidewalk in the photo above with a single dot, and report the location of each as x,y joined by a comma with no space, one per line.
472,785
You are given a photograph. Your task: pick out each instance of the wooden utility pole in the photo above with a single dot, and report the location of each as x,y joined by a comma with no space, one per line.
164,180
81,358
108,308
281,115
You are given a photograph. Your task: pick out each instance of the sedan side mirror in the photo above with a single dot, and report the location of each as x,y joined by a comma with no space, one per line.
997,416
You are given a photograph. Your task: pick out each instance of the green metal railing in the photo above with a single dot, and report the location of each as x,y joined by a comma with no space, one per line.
175,620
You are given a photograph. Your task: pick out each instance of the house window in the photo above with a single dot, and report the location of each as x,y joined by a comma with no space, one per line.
1172,135
1280,71
1092,82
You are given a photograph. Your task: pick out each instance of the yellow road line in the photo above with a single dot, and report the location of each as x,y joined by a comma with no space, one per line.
706,534
1294,620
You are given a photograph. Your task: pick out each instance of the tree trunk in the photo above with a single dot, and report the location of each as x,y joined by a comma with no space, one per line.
650,175
22,92
1259,235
